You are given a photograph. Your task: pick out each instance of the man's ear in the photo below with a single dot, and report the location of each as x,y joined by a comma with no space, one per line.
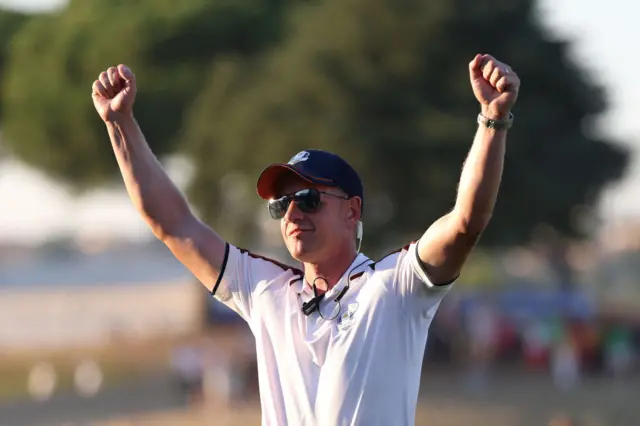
355,208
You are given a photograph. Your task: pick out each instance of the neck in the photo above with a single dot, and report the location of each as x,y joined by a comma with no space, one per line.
330,269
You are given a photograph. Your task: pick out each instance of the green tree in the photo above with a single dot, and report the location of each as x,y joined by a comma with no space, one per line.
385,84
10,22
382,82
54,59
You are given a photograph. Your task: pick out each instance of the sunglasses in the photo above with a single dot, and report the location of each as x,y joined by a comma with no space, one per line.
307,200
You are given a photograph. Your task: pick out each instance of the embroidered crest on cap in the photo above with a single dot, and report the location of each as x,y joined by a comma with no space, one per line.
301,156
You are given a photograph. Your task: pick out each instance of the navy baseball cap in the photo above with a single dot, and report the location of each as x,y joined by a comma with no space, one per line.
315,166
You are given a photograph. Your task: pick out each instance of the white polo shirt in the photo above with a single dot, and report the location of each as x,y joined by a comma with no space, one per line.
361,368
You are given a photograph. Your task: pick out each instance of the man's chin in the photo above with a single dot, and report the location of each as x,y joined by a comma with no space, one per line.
303,257
301,252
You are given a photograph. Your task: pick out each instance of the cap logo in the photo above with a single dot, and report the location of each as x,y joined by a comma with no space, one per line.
299,157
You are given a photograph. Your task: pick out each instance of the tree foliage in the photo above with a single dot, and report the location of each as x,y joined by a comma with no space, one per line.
55,58
384,83
10,22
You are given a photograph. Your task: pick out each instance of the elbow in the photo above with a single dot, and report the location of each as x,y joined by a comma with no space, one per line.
165,222
165,230
474,224
159,231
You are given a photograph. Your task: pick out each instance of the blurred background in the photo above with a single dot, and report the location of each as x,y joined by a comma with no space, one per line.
100,325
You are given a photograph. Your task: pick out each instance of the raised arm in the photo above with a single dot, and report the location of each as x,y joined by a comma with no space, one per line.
153,194
445,246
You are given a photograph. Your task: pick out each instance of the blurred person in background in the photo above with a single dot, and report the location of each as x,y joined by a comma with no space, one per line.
341,339
619,356
187,367
564,362
483,329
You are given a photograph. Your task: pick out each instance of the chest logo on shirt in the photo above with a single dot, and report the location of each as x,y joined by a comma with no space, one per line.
346,320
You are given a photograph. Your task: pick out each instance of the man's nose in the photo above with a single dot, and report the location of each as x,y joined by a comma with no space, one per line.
293,213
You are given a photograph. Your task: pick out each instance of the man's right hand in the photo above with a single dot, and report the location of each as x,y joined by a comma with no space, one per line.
114,93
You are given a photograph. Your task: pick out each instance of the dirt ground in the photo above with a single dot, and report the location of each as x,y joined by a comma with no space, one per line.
511,399
508,401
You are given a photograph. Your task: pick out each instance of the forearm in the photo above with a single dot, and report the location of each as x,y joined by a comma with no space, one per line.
151,190
445,246
480,179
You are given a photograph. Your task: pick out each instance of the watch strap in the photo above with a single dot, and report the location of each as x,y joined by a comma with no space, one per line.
496,124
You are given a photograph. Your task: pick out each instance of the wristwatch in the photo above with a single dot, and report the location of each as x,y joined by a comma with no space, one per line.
496,124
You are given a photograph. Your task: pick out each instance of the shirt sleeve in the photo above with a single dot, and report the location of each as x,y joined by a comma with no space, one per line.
410,282
241,274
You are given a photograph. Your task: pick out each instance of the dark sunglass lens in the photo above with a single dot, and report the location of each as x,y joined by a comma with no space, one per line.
278,208
308,200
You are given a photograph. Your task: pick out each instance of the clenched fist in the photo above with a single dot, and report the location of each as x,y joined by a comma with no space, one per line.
495,85
114,93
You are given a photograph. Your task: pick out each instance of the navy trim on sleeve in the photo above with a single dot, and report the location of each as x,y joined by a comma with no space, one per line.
222,268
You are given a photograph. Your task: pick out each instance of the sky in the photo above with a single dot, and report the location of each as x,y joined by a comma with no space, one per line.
34,209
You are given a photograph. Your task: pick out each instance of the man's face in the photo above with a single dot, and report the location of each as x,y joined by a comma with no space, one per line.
315,236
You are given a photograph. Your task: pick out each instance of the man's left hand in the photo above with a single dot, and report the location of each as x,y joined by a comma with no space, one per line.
495,85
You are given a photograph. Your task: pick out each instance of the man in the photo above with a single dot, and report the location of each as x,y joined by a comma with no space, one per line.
339,341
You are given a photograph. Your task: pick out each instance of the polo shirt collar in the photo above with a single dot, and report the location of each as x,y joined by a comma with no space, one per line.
358,265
